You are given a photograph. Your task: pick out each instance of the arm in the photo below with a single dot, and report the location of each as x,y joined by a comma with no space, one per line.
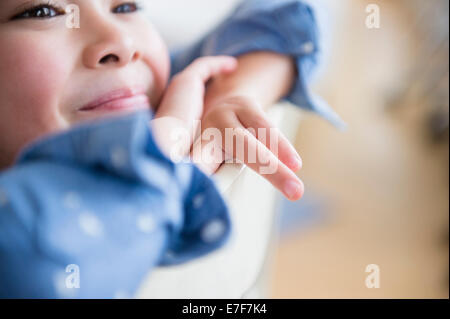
263,77
285,27
183,103
182,106
235,101
89,212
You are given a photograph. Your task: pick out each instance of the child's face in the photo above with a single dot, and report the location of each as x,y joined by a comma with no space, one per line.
50,74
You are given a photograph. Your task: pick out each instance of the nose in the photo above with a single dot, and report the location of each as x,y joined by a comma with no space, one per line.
112,48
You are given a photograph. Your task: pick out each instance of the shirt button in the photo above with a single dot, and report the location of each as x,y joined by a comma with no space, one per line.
90,224
213,231
119,157
198,201
308,47
146,223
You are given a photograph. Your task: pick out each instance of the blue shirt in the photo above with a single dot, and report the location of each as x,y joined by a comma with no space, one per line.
281,26
88,212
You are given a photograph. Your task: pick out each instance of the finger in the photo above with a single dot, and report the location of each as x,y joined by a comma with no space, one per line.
188,87
207,155
264,163
207,67
270,136
207,150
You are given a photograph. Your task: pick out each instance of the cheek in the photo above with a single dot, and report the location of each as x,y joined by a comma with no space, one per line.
156,56
162,70
30,76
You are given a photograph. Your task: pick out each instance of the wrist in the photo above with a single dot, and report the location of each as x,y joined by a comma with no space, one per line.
264,77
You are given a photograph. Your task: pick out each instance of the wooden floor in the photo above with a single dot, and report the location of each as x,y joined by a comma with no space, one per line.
386,188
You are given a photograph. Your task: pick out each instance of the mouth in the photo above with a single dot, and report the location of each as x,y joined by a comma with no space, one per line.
128,98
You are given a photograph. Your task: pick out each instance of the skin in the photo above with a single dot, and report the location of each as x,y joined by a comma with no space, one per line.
239,100
48,72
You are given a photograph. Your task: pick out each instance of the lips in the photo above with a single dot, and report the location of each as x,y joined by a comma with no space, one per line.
121,99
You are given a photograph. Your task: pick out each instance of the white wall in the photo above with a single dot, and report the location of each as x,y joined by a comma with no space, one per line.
182,21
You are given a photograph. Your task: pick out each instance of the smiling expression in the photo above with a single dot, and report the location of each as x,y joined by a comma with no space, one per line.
52,76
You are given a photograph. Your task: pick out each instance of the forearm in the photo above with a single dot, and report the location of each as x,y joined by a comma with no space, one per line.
264,77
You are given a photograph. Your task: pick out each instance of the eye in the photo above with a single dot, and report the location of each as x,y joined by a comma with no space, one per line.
43,11
128,7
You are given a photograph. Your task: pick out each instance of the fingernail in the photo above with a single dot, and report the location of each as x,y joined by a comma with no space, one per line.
292,189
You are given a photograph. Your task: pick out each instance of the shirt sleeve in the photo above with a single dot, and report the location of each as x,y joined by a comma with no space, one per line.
89,212
283,26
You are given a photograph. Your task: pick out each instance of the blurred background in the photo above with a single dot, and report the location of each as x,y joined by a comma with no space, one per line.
379,191
376,193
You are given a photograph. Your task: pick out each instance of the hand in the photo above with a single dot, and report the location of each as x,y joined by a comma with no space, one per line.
183,102
276,159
